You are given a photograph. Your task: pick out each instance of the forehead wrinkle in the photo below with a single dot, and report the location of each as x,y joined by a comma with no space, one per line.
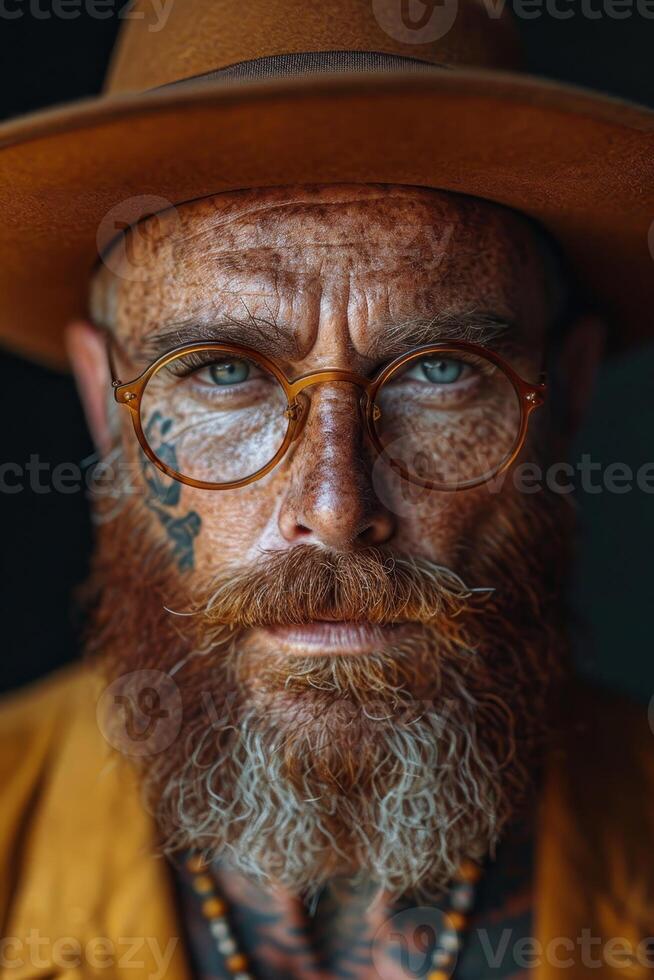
361,196
317,211
385,336
288,288
364,194
274,210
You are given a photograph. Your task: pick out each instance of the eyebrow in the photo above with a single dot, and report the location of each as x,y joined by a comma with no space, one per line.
392,337
261,333
395,337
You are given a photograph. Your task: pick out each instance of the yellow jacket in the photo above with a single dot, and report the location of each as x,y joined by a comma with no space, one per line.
82,896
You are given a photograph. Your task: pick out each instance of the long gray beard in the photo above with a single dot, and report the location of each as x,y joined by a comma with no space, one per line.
382,788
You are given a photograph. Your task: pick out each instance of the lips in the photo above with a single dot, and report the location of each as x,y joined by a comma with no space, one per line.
331,636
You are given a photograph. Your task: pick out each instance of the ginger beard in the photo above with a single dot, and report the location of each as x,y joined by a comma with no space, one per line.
394,766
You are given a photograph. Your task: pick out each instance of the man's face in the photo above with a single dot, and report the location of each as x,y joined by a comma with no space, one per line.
324,278
331,583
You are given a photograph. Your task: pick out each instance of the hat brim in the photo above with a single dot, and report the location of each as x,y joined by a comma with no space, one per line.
579,163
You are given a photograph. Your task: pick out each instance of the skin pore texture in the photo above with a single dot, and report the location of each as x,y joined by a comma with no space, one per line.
339,770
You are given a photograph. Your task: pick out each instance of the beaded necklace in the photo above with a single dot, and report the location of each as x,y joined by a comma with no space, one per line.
460,896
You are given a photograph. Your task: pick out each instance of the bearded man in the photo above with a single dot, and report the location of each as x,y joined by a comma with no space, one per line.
326,725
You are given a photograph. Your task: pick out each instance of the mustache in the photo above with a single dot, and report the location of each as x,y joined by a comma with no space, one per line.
308,583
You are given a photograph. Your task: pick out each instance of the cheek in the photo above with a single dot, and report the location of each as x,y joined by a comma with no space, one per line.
442,527
235,523
203,528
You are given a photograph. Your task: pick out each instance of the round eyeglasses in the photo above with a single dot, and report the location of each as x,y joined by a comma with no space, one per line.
446,416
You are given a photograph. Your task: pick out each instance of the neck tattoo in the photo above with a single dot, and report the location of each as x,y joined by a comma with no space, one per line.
443,951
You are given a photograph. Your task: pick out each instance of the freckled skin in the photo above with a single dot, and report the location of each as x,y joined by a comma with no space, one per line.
334,262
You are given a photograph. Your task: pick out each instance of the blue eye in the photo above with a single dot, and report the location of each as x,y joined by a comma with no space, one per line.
443,371
229,372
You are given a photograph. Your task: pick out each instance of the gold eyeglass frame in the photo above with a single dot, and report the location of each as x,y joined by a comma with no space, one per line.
529,395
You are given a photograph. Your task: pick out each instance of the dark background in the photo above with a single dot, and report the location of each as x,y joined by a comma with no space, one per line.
46,537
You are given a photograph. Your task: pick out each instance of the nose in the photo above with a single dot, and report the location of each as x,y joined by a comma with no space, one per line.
330,499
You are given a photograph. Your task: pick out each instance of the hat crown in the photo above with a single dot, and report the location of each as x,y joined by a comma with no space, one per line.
166,41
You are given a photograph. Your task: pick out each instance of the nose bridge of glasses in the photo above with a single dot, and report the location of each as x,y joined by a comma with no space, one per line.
326,377
300,400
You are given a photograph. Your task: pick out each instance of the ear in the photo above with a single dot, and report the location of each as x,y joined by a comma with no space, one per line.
87,351
579,358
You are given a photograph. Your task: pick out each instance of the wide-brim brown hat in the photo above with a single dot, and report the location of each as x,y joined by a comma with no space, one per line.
205,96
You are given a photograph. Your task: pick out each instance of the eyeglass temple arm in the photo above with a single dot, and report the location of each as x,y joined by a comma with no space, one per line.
543,373
550,346
111,345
